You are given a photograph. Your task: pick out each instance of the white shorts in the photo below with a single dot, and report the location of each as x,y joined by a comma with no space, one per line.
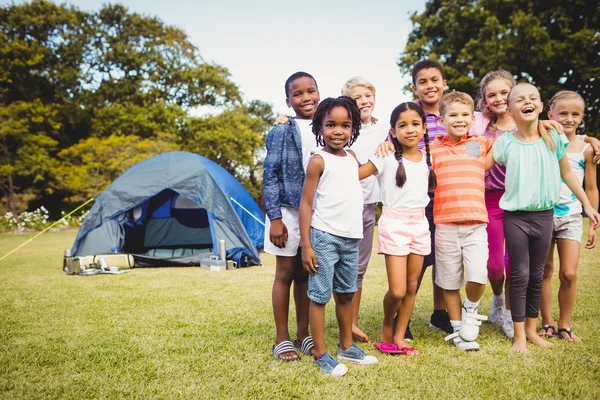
290,218
457,245
569,227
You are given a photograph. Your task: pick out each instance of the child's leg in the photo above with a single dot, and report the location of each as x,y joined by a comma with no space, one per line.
474,244
284,274
568,251
364,255
343,312
546,302
495,232
396,274
413,269
517,241
449,267
301,299
317,325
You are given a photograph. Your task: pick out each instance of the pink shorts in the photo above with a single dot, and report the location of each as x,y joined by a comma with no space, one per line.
403,231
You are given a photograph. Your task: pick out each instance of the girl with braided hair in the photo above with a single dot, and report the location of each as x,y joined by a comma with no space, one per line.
405,178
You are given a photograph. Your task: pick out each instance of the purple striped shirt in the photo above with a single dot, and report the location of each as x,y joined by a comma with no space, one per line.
434,128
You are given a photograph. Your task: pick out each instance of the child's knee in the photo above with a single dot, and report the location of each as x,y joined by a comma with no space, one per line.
548,269
568,277
397,294
411,288
344,298
285,274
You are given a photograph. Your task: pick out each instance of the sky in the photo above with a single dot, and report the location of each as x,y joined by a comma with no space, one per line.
262,42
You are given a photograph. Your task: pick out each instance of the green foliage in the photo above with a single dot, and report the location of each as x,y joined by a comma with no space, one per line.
87,168
233,139
84,95
553,45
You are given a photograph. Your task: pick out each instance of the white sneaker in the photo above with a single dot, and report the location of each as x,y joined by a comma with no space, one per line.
507,326
470,323
461,343
497,308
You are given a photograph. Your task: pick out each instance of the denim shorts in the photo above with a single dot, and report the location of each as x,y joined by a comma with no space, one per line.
337,260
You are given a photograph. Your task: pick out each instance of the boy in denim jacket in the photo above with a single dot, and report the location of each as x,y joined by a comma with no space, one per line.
288,150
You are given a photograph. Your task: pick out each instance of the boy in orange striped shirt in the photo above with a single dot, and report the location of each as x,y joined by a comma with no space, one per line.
460,217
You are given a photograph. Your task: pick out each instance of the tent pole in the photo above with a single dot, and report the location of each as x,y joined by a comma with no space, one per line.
244,208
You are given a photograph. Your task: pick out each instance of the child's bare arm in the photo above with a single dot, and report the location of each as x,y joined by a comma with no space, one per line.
551,124
573,183
366,170
591,187
595,144
384,148
313,174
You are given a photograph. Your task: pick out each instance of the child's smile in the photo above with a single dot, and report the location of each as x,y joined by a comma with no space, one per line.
525,103
458,118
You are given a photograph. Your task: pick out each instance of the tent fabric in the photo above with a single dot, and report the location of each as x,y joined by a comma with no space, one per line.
154,181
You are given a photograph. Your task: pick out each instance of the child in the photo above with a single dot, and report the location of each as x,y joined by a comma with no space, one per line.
405,179
528,203
287,146
567,108
371,134
493,121
331,231
460,217
429,83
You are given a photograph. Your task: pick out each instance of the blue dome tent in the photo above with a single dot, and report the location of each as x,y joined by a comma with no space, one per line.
173,209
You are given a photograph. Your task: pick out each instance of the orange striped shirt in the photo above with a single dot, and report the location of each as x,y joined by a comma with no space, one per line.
460,171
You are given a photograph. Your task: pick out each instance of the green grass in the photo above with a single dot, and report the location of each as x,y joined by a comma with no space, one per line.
187,333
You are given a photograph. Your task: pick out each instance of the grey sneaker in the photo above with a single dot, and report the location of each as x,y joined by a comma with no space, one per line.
497,309
356,355
507,325
330,366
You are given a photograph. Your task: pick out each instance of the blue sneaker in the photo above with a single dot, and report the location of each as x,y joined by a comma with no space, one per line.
356,355
331,366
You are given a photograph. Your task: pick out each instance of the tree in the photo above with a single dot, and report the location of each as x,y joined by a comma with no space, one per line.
552,44
233,139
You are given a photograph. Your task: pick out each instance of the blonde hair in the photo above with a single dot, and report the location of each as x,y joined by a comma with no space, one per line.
456,97
566,95
542,131
355,82
489,77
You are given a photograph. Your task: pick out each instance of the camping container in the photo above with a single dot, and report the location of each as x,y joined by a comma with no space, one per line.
123,261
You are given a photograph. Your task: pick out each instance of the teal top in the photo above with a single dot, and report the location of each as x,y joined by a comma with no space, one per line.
532,172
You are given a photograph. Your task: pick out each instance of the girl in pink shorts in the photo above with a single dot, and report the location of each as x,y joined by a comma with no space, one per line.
405,178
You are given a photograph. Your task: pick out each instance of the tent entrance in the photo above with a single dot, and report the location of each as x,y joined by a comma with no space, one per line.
168,225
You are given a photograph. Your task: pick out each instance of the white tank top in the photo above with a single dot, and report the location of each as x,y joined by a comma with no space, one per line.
338,201
568,203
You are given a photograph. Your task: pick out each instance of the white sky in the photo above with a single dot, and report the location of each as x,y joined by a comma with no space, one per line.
262,42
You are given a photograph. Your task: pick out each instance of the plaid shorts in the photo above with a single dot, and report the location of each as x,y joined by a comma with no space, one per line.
337,258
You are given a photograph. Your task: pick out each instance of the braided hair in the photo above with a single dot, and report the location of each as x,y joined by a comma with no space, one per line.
325,108
401,172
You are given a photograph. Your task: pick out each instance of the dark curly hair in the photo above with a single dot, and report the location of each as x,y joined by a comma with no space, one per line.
329,104
400,172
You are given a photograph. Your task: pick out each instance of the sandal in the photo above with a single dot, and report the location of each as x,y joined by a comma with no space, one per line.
306,346
387,347
546,329
569,332
285,347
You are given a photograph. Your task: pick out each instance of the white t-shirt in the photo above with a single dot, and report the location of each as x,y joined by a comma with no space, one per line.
364,147
413,194
309,141
338,204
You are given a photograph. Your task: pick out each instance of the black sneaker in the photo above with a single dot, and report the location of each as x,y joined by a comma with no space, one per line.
408,337
441,320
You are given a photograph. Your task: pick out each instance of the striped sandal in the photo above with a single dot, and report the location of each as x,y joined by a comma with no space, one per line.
306,346
285,347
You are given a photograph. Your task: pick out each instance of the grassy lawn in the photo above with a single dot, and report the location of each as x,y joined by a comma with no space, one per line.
187,333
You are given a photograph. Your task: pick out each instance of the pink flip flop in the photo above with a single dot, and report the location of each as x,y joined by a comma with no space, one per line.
387,347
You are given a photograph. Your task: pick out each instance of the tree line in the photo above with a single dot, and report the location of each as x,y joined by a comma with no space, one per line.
85,95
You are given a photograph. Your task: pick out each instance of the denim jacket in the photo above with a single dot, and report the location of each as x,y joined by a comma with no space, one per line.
283,170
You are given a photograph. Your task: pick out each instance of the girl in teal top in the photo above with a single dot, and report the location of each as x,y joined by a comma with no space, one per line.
534,166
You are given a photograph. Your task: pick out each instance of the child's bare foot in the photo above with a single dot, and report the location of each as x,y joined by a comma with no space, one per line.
358,335
537,340
406,349
520,346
